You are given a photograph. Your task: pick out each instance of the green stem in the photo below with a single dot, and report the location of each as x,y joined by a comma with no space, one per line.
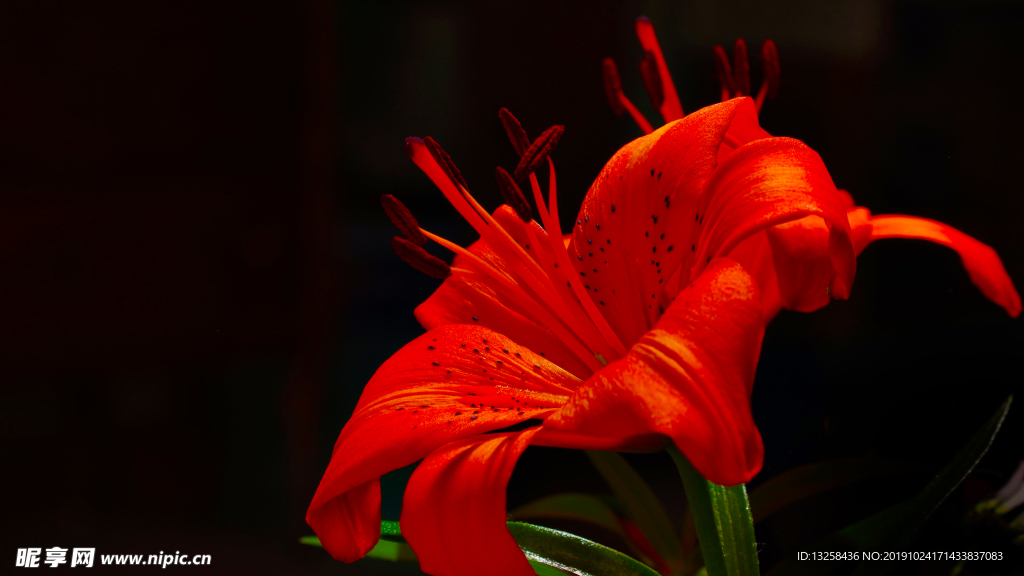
722,517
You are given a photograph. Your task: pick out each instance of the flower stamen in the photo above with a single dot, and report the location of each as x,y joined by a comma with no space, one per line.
671,109
403,219
724,70
552,223
512,195
445,162
516,134
617,98
538,152
740,68
735,78
509,288
652,81
770,84
420,259
532,281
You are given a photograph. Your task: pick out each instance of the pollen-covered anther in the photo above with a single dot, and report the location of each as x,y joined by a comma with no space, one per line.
741,68
516,134
724,71
403,219
652,80
420,259
538,152
445,162
512,194
612,85
617,99
770,84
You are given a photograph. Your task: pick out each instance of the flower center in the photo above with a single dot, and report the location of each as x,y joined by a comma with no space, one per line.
533,272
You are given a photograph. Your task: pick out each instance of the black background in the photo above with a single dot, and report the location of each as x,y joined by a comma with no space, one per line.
196,279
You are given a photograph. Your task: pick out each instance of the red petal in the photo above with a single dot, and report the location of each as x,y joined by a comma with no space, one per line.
755,255
980,260
650,187
408,410
769,182
689,378
454,512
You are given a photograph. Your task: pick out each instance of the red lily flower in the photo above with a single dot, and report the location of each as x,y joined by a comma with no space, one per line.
641,327
790,261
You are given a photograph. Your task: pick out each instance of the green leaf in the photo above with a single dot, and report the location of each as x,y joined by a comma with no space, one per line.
722,517
641,505
893,528
390,530
391,546
550,552
571,506
393,551
806,481
571,554
603,511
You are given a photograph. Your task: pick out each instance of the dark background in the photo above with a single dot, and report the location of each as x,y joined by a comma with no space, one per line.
197,279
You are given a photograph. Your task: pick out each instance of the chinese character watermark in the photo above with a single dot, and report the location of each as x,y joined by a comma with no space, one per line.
28,557
83,557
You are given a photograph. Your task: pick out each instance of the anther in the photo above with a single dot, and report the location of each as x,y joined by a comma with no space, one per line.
652,81
612,85
520,141
724,71
512,194
445,161
741,68
420,259
770,60
538,152
403,219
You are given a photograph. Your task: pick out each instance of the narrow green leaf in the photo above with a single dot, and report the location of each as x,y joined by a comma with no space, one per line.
550,552
570,553
543,569
571,506
393,551
894,527
806,481
722,518
391,545
603,511
641,505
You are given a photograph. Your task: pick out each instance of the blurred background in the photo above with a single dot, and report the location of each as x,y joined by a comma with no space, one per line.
197,279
